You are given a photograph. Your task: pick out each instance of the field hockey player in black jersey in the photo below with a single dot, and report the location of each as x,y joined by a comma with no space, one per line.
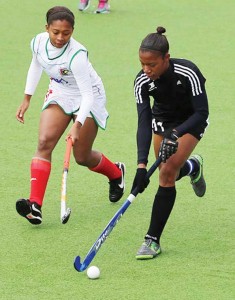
175,122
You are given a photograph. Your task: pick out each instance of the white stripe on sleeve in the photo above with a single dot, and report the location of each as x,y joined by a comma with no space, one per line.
141,80
192,76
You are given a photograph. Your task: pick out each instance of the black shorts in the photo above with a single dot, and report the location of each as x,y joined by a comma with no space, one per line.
162,127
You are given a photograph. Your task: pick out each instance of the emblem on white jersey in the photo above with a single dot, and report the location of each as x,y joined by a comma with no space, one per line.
65,71
152,86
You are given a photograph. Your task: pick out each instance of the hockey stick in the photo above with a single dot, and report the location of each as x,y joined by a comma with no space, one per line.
112,223
65,213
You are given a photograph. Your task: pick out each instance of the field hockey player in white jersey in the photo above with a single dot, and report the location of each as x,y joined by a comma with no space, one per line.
75,93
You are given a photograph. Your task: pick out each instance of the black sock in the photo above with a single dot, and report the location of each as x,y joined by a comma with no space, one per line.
190,167
162,206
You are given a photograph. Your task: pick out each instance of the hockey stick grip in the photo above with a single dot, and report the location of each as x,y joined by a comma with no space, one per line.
68,153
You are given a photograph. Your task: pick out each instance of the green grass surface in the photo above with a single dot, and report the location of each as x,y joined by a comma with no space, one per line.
198,243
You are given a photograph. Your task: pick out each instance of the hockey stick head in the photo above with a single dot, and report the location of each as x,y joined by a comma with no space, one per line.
77,264
80,267
65,217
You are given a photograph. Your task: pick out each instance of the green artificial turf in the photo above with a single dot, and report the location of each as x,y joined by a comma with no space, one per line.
197,262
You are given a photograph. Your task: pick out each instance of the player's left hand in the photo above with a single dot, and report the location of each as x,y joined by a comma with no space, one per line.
169,146
74,132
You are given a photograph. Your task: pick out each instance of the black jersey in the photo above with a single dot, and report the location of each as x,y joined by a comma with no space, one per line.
179,98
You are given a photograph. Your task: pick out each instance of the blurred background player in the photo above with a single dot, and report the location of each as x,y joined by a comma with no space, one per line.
103,6
75,93
177,119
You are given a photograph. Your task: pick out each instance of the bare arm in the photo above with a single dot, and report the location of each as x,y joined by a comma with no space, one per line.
23,108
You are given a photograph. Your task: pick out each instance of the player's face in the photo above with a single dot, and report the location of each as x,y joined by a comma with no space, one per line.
153,64
60,32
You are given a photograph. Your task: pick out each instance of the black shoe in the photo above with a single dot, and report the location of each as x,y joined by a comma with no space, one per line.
117,186
29,210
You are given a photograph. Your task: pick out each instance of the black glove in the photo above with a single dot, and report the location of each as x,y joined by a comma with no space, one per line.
140,180
169,146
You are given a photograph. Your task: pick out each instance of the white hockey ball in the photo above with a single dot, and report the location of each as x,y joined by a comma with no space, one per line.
93,272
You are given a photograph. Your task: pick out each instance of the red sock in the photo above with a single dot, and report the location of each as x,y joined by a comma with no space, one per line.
107,168
40,172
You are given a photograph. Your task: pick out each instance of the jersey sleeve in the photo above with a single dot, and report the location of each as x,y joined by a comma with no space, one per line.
198,95
33,76
35,70
80,68
144,129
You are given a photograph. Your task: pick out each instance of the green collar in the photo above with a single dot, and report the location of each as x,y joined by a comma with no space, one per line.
59,54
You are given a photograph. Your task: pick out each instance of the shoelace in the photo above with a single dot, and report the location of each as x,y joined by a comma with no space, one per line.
148,242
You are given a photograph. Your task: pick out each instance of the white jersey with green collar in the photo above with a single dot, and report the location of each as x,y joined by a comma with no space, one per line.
70,71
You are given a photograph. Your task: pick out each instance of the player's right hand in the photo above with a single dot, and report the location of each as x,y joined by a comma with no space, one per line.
21,111
140,180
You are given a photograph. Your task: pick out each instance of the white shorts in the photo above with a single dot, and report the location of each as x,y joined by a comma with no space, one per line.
70,103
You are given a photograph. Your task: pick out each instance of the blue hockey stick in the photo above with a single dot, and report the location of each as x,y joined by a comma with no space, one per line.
112,223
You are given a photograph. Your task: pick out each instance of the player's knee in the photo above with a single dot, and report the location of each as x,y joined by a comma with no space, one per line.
81,160
44,145
168,174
